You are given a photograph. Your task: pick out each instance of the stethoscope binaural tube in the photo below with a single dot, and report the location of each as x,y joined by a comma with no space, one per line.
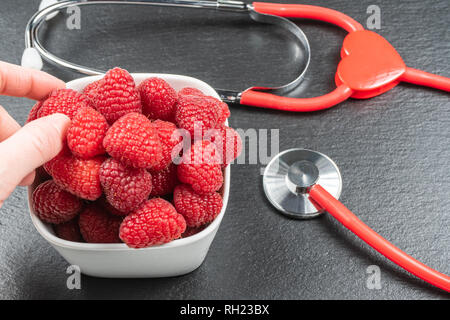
270,101
352,78
35,52
352,85
334,207
309,12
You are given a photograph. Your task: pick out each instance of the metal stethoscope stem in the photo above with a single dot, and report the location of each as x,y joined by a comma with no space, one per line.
32,28
32,40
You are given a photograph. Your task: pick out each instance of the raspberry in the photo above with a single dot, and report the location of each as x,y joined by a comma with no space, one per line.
188,91
227,140
195,113
102,202
164,181
155,222
196,209
33,115
41,175
169,140
66,101
52,204
190,231
86,132
97,226
115,95
134,141
69,231
200,167
91,89
224,113
158,98
221,107
78,176
125,187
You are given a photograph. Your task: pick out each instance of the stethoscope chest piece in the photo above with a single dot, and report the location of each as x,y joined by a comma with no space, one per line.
290,174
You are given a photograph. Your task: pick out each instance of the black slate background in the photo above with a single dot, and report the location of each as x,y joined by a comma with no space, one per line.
393,151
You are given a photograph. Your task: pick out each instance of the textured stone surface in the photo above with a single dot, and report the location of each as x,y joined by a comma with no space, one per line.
392,150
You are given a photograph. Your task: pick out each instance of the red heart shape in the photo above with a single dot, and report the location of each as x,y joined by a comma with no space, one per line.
370,65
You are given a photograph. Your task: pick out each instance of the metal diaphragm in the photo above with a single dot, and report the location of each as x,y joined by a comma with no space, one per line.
290,174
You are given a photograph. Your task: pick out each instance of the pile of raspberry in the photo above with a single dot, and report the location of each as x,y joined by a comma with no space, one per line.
134,167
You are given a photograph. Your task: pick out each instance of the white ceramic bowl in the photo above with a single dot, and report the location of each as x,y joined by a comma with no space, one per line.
117,260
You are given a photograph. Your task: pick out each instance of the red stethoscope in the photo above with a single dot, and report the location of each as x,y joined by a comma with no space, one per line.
369,67
300,183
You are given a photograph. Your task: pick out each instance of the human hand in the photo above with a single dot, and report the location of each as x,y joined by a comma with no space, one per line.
23,149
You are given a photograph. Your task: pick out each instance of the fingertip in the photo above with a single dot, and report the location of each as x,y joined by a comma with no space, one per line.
28,180
60,117
60,121
58,83
30,147
42,138
8,125
24,82
43,84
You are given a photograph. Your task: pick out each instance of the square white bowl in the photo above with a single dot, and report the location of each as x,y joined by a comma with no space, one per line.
176,258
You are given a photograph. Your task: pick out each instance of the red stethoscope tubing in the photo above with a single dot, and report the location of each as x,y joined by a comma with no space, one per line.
333,206
426,79
309,12
341,93
271,101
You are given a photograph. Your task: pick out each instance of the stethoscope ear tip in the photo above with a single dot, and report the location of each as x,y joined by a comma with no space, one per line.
32,59
47,3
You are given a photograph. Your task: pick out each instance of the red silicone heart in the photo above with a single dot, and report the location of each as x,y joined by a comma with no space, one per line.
370,65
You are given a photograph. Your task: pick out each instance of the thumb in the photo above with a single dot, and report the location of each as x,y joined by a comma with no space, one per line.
30,147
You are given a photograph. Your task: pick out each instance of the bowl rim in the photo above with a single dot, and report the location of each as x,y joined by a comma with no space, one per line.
41,227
